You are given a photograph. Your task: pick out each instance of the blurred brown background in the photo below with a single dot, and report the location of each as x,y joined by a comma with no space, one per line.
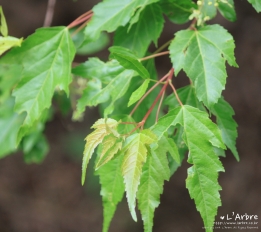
49,197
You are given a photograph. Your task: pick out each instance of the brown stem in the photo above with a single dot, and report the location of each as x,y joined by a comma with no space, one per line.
154,55
147,93
49,13
170,74
175,92
80,20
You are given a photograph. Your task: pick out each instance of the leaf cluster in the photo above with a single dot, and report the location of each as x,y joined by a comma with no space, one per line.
148,125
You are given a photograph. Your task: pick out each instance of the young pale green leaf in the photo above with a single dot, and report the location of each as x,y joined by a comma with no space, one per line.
8,42
3,25
48,54
102,128
135,155
112,189
202,54
256,4
139,37
227,9
128,60
200,135
111,144
118,13
208,9
224,113
9,126
155,171
138,93
178,11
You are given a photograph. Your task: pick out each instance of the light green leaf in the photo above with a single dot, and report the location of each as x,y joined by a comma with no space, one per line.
202,55
8,42
111,144
128,60
10,74
224,113
9,126
256,4
227,9
200,135
139,37
135,155
112,189
155,171
48,54
118,13
178,11
3,25
138,93
102,128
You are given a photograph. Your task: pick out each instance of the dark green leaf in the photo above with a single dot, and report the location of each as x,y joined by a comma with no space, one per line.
118,13
147,29
112,189
227,9
178,11
224,113
128,60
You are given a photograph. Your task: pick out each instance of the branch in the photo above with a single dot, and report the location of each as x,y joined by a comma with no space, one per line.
49,13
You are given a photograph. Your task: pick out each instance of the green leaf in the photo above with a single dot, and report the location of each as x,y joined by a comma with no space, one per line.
256,4
208,9
48,54
168,145
128,60
224,113
138,93
201,135
135,156
227,9
111,144
9,126
3,25
101,127
202,55
85,47
35,147
112,189
140,35
178,11
10,74
95,68
155,171
8,42
118,13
